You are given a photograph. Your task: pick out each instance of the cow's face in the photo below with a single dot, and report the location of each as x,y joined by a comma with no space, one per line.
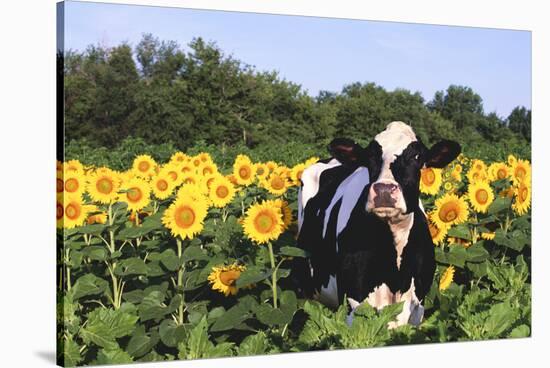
394,159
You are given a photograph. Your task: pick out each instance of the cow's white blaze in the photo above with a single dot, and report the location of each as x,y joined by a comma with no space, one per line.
329,294
310,180
400,231
393,141
349,192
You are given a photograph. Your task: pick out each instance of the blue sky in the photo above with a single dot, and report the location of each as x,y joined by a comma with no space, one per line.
326,54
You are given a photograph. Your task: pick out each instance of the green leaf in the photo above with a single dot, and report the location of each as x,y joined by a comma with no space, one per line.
271,316
170,260
456,255
134,232
293,252
95,252
105,325
70,353
477,253
92,229
194,253
113,356
171,333
252,275
460,231
152,307
231,318
141,343
88,284
501,317
499,204
198,344
515,240
254,345
520,331
131,266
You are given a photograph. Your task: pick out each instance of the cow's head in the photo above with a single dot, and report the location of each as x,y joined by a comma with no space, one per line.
394,159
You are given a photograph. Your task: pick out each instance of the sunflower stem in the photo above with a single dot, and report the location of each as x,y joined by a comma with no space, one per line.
180,281
68,269
273,275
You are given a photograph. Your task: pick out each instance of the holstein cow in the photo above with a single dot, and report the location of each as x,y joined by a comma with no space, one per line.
363,225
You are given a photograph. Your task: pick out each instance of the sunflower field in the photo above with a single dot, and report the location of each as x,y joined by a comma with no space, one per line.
189,259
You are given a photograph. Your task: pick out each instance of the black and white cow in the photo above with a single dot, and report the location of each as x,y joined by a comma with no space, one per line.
363,225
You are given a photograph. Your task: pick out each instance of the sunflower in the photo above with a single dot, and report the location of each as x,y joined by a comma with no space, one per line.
185,217
263,222
103,185
173,173
271,165
196,192
522,200
207,168
162,185
478,165
437,233
190,178
286,212
498,171
196,161
311,161
261,170
480,195
187,168
223,278
243,170
275,184
488,235
448,186
465,243
474,175
221,191
521,171
74,165
446,278
74,211
136,193
507,192
179,157
512,160
449,210
60,210
96,216
144,166
205,157
296,173
430,180
74,182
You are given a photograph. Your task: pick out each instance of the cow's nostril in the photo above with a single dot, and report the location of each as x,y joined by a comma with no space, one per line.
384,188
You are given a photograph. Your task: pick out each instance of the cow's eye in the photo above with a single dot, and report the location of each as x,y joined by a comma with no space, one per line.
416,157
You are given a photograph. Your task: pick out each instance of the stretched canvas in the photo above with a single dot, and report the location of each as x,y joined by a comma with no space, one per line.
233,184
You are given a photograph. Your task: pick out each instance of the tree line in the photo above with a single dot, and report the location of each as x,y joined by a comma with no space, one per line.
161,92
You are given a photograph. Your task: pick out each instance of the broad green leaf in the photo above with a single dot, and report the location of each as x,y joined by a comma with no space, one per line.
231,318
170,260
141,343
171,334
95,252
499,204
152,307
131,266
520,331
113,356
88,284
293,252
194,253
92,229
70,353
254,345
134,232
271,316
460,231
252,275
106,325
477,253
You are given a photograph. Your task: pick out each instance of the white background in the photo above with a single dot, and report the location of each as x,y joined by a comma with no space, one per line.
27,120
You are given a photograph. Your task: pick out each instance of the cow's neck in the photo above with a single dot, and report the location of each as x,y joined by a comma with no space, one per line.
400,228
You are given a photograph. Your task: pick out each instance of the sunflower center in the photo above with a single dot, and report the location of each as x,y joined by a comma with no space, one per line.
59,186
173,175
244,172
104,186
134,194
277,183
209,182
162,185
448,212
501,173
482,196
260,170
222,191
228,278
207,170
59,211
72,211
523,194
197,162
428,177
520,172
264,223
71,185
434,230
185,217
143,166
185,169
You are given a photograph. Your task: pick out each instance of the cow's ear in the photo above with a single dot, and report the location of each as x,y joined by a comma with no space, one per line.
345,150
442,153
